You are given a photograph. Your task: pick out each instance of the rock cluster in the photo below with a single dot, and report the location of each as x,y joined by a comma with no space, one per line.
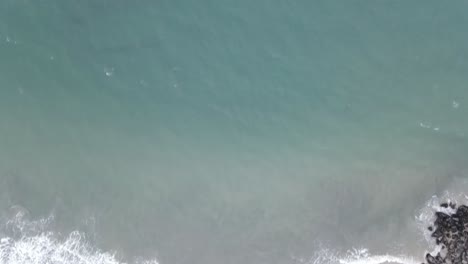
450,231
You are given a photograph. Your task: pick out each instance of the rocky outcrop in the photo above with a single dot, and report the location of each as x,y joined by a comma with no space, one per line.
450,232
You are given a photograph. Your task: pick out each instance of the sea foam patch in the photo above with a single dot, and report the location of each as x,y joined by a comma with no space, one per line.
28,242
354,256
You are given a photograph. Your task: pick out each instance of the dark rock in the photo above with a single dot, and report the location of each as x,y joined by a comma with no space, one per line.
430,259
451,232
437,233
462,211
442,217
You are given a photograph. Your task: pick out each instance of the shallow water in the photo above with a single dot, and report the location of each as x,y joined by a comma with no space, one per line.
231,132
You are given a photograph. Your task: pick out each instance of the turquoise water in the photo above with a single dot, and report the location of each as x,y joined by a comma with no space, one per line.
231,131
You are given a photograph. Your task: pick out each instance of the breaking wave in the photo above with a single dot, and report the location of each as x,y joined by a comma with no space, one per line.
28,242
355,256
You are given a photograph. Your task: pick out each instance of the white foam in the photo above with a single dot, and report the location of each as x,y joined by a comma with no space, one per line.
44,248
28,242
362,256
377,259
355,256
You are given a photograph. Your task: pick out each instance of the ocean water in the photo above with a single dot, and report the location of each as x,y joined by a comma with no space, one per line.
176,132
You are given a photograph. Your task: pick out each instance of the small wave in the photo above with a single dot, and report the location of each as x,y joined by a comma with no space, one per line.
354,256
377,259
28,242
45,248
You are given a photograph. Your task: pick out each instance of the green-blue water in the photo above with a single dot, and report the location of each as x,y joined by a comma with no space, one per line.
232,131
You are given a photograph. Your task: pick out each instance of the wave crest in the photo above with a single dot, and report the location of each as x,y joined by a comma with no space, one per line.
28,242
